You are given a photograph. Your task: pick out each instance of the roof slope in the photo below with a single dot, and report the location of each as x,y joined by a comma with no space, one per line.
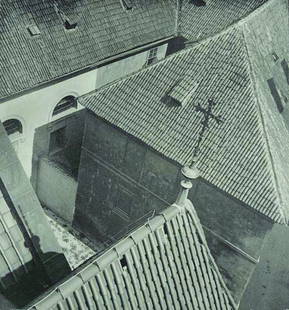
199,22
104,29
234,155
26,238
163,264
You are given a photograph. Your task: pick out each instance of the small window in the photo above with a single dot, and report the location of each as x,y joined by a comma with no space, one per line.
126,4
33,30
57,140
13,126
275,94
199,2
64,104
152,56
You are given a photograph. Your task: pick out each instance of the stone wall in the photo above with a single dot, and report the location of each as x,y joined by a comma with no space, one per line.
122,182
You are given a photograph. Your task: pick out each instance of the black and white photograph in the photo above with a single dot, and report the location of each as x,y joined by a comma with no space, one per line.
144,154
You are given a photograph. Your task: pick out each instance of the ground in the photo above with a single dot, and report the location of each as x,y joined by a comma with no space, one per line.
269,285
76,248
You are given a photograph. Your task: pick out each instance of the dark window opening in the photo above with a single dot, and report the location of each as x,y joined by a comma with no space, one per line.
65,104
285,67
126,4
57,140
152,56
199,2
33,30
275,94
123,262
68,25
166,231
12,126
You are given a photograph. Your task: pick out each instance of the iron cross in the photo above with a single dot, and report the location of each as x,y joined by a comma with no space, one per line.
208,114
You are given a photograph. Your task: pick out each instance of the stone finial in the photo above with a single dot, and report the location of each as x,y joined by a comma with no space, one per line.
183,194
191,172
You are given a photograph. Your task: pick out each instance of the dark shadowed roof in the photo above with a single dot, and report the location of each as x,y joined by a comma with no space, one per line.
164,264
199,22
235,155
104,28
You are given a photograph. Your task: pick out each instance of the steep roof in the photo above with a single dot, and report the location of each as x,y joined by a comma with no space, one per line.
196,22
165,263
235,155
104,28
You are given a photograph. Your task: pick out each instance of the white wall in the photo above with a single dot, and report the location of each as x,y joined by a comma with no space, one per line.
35,109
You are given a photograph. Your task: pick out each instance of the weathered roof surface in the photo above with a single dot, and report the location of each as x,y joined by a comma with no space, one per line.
164,264
235,154
103,29
26,239
198,22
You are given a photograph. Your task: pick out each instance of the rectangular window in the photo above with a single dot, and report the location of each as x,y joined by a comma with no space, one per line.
275,94
285,67
152,56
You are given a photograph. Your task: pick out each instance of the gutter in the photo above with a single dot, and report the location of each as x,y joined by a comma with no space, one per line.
86,69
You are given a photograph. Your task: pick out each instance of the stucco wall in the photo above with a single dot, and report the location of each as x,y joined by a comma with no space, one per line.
59,195
35,109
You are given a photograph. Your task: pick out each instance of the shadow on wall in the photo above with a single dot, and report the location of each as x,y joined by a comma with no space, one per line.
55,163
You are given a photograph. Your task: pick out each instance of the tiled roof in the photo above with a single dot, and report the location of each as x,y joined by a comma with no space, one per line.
235,154
25,235
164,264
103,29
199,22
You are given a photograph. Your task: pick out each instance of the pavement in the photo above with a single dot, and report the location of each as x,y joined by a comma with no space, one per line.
269,285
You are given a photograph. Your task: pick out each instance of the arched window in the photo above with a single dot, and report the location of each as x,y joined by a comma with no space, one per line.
64,104
13,126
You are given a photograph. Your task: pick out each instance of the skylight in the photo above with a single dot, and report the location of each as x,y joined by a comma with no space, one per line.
33,30
180,94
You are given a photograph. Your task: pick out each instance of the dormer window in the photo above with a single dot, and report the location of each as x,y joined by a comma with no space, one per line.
33,30
67,23
67,103
152,56
181,92
126,5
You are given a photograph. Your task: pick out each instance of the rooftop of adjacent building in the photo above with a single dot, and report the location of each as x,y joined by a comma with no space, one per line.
224,78
167,257
45,41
